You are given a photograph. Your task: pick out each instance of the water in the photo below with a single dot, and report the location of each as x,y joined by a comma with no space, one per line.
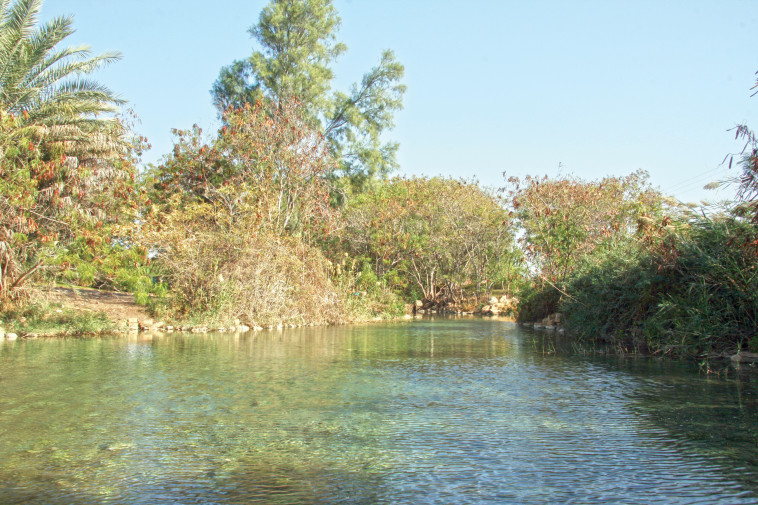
446,411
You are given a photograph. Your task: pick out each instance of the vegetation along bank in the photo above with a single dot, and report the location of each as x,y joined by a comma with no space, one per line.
289,214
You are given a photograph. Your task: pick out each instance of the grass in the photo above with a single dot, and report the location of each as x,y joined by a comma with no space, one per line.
45,319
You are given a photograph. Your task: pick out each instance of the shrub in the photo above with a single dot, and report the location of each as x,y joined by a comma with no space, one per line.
692,292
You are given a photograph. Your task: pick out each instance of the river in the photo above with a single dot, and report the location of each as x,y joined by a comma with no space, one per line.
431,411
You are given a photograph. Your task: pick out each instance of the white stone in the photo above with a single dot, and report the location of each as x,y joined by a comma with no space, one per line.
11,336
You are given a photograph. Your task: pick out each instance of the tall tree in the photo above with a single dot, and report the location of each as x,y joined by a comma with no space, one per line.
64,158
47,84
298,46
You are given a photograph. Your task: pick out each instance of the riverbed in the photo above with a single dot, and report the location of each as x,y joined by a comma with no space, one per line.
429,411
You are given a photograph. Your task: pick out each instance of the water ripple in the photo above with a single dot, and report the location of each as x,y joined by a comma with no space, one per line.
432,412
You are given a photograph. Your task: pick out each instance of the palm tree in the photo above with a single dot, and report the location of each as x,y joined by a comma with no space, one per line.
53,121
47,85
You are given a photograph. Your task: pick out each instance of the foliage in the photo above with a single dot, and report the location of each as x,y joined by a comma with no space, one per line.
365,295
265,171
261,279
438,234
298,46
49,202
44,84
565,219
537,301
748,180
231,220
107,264
688,292
66,168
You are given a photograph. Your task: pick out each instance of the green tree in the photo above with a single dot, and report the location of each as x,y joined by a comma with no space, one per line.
46,85
298,46
564,220
67,163
438,234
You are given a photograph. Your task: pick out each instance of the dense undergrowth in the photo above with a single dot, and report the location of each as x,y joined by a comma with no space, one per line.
691,291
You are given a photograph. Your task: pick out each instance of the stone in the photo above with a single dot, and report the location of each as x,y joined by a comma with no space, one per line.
11,336
242,328
745,357
493,301
419,304
554,319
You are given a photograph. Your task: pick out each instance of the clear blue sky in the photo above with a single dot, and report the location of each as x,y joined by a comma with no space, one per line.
589,88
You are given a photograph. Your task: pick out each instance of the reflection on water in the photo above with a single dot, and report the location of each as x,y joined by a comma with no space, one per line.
447,411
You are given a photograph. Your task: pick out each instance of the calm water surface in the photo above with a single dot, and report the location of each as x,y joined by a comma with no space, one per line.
446,411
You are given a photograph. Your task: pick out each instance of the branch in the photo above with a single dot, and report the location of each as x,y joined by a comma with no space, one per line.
25,275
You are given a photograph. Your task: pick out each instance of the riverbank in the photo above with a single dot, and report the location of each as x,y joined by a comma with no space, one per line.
82,312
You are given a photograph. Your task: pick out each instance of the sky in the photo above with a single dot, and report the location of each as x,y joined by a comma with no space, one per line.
559,88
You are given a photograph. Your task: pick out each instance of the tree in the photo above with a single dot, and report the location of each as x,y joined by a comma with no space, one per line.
232,218
45,84
66,161
439,234
264,172
565,219
298,46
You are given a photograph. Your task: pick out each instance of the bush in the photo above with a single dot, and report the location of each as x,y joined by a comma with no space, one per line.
693,292
262,280
537,302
